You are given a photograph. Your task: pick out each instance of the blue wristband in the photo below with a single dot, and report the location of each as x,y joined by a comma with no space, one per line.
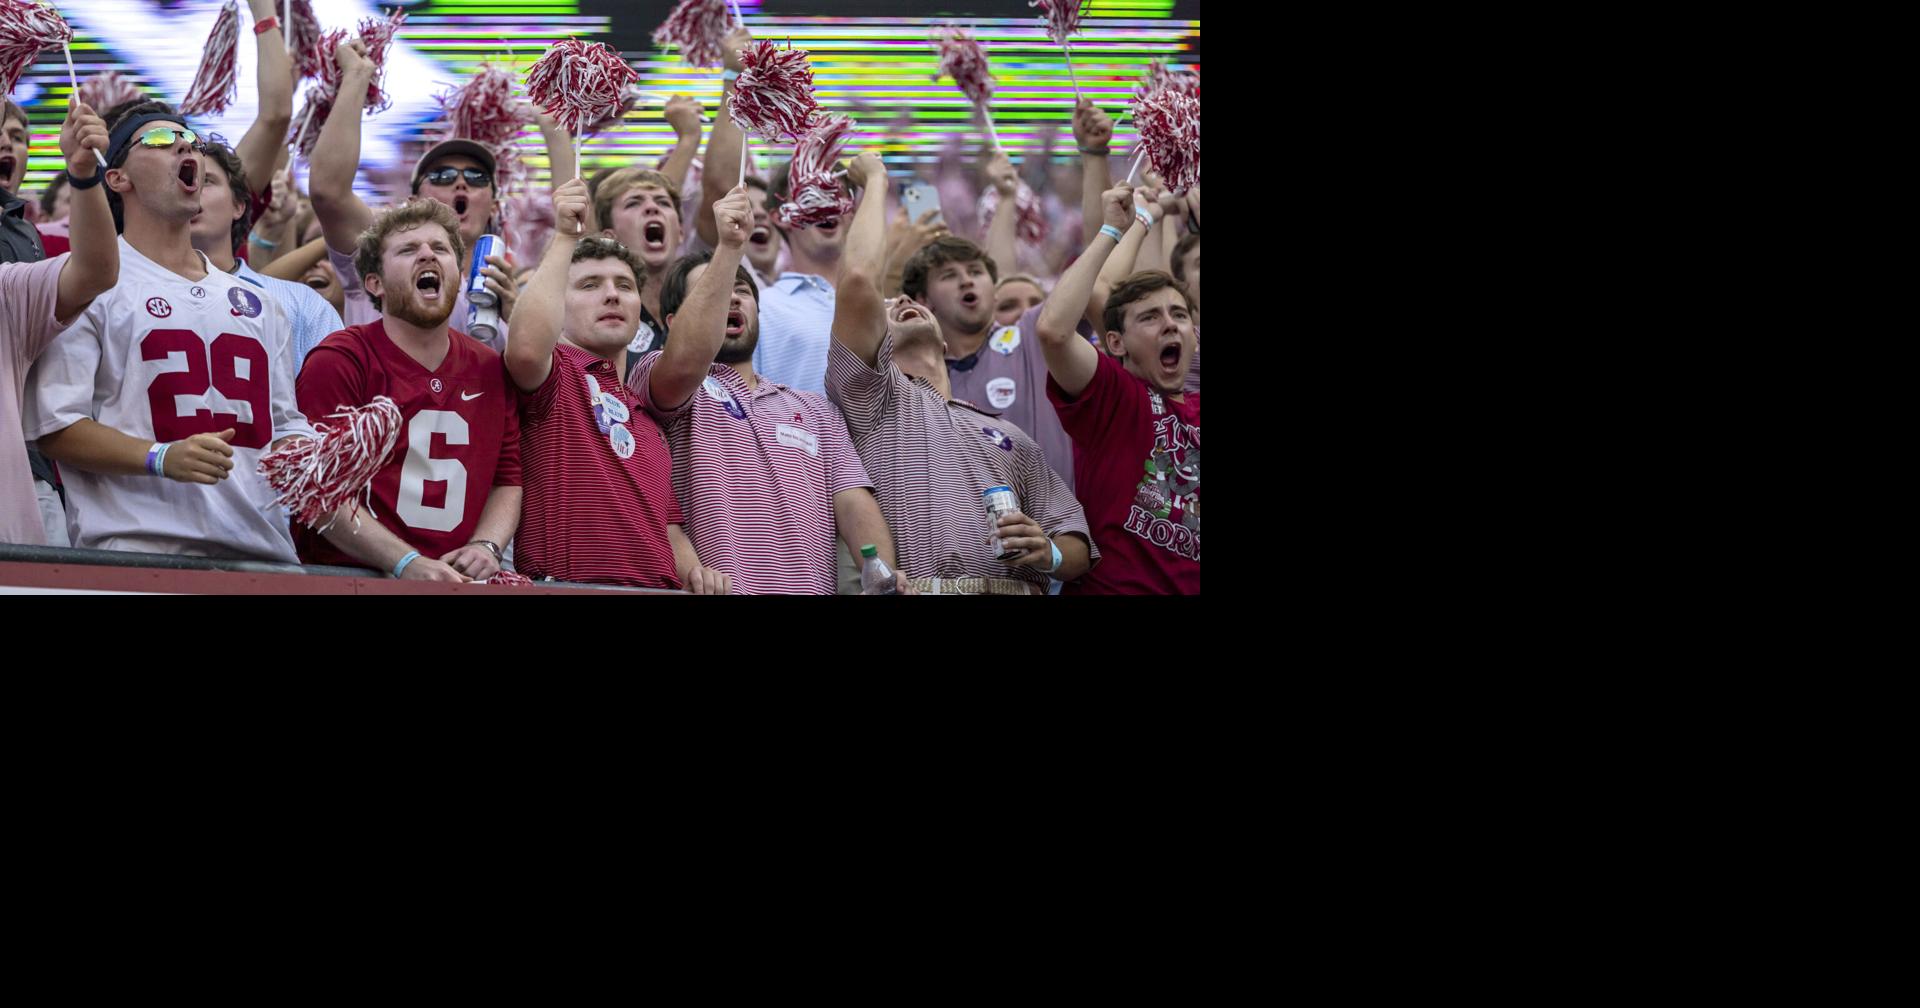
153,459
404,561
1056,557
1110,231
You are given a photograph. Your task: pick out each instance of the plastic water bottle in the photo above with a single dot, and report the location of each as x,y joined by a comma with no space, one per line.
876,578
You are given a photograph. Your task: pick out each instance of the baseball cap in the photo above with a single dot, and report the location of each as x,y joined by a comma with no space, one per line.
445,147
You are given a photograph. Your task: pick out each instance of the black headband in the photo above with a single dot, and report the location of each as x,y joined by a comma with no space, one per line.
123,134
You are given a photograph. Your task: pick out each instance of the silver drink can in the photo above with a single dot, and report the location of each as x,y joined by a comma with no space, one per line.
1000,502
477,292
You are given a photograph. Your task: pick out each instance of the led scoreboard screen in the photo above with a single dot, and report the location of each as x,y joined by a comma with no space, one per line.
872,61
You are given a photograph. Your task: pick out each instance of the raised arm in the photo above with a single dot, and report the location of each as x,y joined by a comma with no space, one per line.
1120,265
1070,359
720,172
1006,214
94,266
1153,253
543,307
273,235
683,114
859,317
1092,133
701,324
295,264
560,153
260,149
336,156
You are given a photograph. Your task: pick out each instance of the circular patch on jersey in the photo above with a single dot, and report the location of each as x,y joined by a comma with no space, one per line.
641,340
198,292
159,308
1005,340
995,435
435,386
1001,392
244,303
622,441
615,409
718,393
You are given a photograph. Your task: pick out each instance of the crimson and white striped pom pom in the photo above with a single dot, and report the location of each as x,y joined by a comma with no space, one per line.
218,80
966,62
25,29
1033,227
773,97
104,90
508,578
1170,128
1158,78
484,109
630,98
579,82
819,196
315,477
377,34
1063,18
697,26
302,32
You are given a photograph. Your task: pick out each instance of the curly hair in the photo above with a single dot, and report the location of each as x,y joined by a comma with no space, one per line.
367,255
939,252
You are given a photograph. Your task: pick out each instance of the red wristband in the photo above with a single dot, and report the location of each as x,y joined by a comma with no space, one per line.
263,27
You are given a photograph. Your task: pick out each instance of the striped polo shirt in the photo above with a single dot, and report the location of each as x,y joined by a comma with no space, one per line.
589,515
931,460
796,324
755,472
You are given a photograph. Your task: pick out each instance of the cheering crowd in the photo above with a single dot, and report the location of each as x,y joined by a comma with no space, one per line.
670,376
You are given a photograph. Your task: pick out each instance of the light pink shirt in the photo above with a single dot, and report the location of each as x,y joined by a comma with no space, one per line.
28,292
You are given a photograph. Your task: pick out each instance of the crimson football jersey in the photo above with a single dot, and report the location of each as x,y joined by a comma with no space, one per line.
459,434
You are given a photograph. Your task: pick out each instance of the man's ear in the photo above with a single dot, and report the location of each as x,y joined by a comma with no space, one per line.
1116,345
668,321
373,285
118,181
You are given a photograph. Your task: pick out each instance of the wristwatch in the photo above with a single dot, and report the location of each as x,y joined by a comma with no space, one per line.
495,550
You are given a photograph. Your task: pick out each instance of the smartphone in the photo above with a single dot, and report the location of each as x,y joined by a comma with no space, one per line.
918,198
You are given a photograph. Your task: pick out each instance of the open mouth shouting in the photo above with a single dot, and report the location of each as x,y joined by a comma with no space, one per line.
760,237
1171,357
460,205
829,228
653,237
736,323
970,299
190,175
7,164
426,283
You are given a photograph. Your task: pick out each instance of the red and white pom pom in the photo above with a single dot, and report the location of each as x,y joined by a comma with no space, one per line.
302,32
965,61
484,109
527,222
1158,78
630,98
579,82
316,477
26,29
1170,130
508,578
218,80
1063,18
1032,229
104,90
773,97
697,26
819,196
377,34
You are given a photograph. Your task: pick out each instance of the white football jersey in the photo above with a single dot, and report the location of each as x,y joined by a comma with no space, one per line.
160,358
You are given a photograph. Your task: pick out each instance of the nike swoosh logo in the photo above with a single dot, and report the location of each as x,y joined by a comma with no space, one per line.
469,398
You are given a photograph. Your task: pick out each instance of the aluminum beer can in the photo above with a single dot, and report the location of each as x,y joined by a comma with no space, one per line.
483,324
1000,502
477,293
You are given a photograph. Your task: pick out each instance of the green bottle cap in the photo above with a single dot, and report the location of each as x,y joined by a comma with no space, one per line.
868,550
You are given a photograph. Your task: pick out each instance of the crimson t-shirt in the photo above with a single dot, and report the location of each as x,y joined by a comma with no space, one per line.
459,434
1136,464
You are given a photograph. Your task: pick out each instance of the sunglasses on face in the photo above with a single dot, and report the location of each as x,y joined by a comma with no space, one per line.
445,176
164,136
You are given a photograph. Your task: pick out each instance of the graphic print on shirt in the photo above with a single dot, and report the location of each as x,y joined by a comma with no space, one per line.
1166,505
208,387
1005,340
1001,392
718,393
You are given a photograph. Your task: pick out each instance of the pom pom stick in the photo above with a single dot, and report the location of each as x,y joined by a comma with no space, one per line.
819,195
773,97
578,83
697,26
965,61
316,477
104,90
1063,19
25,29
217,81
1170,132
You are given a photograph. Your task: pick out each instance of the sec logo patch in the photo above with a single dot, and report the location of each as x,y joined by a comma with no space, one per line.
159,308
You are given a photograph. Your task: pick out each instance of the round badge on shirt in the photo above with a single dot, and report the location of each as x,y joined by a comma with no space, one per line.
718,393
622,441
641,339
615,409
1005,340
1001,392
